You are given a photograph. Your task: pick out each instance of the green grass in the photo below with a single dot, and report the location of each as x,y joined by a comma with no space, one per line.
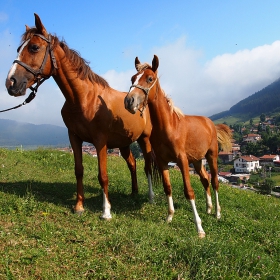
40,238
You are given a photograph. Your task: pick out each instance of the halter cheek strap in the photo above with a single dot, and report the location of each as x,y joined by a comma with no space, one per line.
146,92
38,73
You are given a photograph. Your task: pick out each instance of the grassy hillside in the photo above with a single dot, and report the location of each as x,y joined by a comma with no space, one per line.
40,238
238,118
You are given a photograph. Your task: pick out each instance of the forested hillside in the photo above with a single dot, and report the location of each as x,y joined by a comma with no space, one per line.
14,133
266,100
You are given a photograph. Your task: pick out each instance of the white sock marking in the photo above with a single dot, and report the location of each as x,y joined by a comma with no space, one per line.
106,208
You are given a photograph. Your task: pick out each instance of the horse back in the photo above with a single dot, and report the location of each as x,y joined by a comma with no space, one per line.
200,136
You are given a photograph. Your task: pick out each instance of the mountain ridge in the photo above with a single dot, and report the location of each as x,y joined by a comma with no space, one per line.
267,100
14,133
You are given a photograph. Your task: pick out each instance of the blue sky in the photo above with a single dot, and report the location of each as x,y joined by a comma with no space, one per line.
212,53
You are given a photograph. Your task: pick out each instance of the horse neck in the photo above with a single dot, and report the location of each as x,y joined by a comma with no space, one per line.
161,115
73,88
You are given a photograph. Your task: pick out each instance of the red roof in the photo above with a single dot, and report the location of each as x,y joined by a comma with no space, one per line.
249,158
268,157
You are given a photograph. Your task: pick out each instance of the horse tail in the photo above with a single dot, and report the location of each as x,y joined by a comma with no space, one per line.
156,175
224,136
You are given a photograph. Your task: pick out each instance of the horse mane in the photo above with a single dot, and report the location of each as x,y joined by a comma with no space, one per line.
80,65
173,108
142,66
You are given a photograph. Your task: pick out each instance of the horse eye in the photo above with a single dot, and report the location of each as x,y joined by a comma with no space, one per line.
34,48
150,79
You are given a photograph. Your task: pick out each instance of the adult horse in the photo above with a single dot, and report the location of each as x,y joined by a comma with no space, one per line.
93,111
179,138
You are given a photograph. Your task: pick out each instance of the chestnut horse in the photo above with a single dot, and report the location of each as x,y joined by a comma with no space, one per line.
178,138
93,111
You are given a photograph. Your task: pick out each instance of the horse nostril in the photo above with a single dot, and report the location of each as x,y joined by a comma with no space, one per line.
13,81
10,83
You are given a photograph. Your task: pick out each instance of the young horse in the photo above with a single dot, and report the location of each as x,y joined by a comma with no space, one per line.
93,111
178,138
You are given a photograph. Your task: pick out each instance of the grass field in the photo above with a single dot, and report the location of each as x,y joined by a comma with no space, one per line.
40,237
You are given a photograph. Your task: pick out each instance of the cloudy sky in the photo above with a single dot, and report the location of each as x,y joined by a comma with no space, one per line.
212,53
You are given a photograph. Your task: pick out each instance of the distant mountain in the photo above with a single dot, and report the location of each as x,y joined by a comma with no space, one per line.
13,133
264,101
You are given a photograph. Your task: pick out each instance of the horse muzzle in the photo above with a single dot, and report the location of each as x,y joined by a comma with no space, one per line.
129,105
15,88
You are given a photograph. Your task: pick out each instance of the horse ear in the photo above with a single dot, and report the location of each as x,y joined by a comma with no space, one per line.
27,27
137,62
39,25
155,63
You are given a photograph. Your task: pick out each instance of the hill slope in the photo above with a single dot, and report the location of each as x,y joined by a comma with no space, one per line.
16,133
266,100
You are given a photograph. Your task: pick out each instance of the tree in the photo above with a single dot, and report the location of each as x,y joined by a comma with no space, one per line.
268,130
251,122
273,143
262,117
267,186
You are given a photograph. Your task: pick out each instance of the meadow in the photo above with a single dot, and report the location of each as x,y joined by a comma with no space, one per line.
40,237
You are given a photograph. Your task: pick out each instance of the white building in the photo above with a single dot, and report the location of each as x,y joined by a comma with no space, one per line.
246,164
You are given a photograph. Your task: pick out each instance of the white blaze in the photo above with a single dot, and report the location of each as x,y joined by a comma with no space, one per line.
14,66
137,80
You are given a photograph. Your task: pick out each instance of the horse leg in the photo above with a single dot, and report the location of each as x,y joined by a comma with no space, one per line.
168,191
103,181
206,184
76,144
183,164
213,165
146,148
131,163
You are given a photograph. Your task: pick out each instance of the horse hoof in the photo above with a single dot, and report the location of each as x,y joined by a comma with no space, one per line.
78,211
151,198
169,219
201,235
106,217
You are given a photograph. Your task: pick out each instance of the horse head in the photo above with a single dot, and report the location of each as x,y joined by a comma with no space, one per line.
35,61
142,88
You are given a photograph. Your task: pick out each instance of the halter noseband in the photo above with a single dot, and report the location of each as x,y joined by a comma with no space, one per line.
37,73
146,92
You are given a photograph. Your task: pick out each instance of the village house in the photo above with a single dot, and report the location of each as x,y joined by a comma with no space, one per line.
235,149
246,164
225,157
252,138
268,159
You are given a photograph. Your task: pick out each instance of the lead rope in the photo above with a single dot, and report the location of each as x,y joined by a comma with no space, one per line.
29,98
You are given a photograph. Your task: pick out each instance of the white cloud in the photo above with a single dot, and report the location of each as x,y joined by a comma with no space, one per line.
119,80
214,86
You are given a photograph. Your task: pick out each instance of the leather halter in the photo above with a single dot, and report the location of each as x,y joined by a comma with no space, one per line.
146,92
37,73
